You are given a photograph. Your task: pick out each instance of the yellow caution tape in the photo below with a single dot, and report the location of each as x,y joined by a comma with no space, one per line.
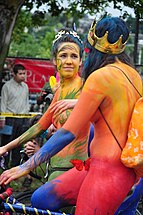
18,115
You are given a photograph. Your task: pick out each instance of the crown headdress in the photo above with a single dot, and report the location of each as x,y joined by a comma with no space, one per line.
102,44
62,32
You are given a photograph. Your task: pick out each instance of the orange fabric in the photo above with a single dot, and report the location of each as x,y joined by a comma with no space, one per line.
132,155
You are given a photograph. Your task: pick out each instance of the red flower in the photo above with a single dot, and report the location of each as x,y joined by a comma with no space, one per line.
86,50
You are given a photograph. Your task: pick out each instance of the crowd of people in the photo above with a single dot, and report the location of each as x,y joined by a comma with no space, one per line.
89,113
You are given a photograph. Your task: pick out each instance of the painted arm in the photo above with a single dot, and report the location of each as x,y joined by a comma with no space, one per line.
31,133
82,114
56,143
28,135
31,147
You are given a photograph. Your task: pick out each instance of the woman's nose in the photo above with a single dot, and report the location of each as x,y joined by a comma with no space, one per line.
68,60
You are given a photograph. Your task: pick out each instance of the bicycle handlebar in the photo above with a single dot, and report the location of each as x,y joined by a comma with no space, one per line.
19,207
28,210
6,192
24,158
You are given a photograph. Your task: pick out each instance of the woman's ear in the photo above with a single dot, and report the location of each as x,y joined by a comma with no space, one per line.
80,62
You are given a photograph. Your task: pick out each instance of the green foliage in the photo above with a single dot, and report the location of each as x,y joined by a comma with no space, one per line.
33,45
81,7
56,7
142,57
28,47
38,18
136,5
131,22
29,40
34,32
65,14
24,20
34,39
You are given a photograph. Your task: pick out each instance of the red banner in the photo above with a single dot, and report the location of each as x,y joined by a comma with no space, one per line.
38,72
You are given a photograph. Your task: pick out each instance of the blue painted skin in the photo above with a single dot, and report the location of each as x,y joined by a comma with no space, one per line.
129,206
52,200
47,191
57,142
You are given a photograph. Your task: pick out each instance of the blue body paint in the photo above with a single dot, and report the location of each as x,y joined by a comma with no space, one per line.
57,142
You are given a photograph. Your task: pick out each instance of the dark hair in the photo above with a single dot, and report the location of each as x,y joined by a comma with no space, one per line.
18,67
96,59
67,37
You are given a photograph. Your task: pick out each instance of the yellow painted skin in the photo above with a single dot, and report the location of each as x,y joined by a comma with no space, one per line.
97,92
70,88
107,177
106,174
67,62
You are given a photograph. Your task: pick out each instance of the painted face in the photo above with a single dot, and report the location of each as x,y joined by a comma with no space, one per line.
68,60
20,76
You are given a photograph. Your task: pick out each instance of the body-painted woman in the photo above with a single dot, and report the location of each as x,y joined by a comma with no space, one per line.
67,53
99,188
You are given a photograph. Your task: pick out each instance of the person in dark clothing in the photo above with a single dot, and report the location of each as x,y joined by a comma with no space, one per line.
45,97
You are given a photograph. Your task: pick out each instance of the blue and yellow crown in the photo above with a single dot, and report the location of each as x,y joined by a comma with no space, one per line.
102,44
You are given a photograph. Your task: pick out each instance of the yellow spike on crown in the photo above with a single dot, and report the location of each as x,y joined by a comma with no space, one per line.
102,44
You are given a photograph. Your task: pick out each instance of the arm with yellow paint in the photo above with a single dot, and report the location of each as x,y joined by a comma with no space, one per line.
29,134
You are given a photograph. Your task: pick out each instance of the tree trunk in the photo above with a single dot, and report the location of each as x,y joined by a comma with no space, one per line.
8,13
136,40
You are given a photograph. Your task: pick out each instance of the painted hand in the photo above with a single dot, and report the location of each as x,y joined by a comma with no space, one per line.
12,174
62,105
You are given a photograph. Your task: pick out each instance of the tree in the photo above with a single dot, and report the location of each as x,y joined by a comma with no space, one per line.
34,42
9,10
8,13
137,6
138,10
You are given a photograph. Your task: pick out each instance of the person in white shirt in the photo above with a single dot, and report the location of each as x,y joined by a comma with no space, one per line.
15,99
